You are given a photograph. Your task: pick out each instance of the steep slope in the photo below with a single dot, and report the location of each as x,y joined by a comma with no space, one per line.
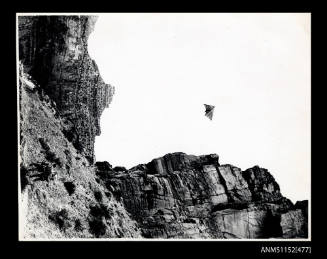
60,195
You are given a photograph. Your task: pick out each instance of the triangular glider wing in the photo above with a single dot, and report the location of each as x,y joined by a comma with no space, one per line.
209,110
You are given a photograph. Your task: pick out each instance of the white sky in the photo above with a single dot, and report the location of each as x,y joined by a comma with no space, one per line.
255,68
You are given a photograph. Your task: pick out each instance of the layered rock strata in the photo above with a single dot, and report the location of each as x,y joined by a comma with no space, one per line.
53,50
61,97
185,196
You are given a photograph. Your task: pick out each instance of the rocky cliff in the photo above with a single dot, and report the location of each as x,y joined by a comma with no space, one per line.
185,196
53,50
61,97
65,195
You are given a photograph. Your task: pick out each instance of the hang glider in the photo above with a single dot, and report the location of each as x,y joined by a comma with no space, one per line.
209,110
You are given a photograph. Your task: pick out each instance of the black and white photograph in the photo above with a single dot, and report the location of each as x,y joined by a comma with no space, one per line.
164,126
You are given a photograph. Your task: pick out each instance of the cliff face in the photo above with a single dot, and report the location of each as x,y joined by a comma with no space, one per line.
61,100
65,195
184,196
53,50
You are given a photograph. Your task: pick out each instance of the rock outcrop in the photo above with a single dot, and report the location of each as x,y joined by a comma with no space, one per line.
185,196
53,50
65,195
